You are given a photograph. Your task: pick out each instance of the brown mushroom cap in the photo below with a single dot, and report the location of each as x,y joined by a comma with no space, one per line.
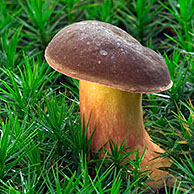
102,53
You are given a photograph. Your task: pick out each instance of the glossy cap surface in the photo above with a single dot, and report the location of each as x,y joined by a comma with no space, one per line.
102,53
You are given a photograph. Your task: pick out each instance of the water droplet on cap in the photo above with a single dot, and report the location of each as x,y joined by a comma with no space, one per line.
118,43
103,52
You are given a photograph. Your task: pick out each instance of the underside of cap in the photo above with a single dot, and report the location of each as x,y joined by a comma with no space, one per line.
102,53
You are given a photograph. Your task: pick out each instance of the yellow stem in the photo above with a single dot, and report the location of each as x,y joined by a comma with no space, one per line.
117,115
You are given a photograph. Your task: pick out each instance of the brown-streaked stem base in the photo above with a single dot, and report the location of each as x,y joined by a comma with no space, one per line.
117,115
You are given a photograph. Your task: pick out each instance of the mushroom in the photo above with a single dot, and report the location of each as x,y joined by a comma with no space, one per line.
114,70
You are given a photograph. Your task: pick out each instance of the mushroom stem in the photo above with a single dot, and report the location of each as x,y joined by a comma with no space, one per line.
118,116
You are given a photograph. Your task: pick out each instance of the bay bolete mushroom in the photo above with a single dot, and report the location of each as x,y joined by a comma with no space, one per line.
114,70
